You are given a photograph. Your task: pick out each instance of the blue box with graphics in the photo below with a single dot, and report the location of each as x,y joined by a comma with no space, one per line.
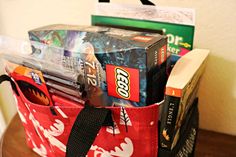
118,67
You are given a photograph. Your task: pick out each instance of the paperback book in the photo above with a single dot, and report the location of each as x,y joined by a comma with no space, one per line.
188,132
181,90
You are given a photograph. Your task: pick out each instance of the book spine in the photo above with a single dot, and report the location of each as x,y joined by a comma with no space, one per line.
156,71
168,122
188,132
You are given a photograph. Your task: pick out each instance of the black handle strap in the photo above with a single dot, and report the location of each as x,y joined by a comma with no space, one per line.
85,129
7,78
144,2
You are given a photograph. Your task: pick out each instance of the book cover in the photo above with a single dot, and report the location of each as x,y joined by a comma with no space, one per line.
181,90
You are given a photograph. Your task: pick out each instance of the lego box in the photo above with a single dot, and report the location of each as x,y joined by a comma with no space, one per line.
117,67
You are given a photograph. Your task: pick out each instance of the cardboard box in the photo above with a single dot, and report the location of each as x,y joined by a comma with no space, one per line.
117,67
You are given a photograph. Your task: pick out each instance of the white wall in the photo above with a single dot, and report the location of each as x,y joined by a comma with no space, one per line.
215,30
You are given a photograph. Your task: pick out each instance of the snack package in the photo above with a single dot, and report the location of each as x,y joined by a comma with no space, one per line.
117,67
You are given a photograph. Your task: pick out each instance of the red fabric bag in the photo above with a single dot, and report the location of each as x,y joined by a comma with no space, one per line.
69,129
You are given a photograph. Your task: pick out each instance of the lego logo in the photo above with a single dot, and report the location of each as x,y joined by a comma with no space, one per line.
119,83
122,83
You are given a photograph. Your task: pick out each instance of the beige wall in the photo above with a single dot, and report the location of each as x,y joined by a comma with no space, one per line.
215,30
7,103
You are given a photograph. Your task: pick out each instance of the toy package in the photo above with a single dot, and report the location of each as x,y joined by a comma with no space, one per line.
116,67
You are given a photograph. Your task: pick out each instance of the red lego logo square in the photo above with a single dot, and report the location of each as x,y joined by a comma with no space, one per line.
123,82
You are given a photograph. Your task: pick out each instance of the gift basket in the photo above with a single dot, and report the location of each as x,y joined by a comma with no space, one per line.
100,91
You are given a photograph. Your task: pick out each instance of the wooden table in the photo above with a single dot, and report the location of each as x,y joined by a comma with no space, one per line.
209,144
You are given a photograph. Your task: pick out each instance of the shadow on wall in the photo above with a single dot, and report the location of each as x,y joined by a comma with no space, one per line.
220,78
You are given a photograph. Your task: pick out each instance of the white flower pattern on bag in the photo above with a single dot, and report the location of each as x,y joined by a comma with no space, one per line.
124,118
50,133
113,129
56,129
125,149
42,151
